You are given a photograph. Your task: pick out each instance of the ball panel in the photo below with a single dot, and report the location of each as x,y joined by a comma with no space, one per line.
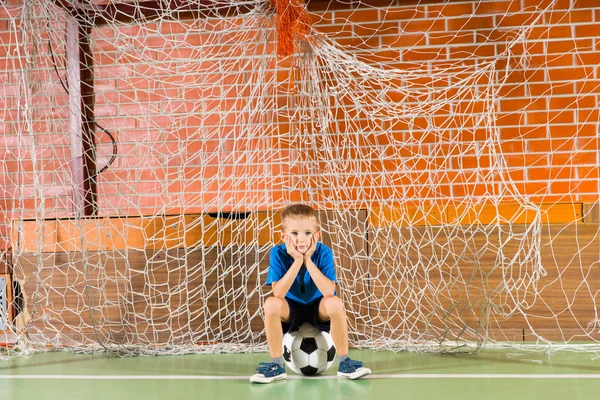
308,345
297,342
322,341
322,369
287,354
318,359
300,359
309,370
308,331
329,339
331,354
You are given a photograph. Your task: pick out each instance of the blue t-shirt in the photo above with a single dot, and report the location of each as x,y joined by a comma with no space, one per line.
308,292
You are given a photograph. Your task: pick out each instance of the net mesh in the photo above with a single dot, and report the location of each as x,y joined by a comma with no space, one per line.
407,129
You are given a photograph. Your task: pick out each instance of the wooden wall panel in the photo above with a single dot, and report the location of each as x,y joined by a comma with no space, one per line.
433,280
174,295
147,296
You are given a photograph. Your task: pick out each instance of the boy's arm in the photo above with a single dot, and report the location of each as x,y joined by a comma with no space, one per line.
283,285
325,285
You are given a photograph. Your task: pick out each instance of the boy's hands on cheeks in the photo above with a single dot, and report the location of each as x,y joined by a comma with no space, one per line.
291,249
313,246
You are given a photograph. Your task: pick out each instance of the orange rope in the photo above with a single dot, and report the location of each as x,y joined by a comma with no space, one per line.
292,21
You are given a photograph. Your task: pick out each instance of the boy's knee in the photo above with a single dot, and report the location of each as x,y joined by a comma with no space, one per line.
334,305
273,307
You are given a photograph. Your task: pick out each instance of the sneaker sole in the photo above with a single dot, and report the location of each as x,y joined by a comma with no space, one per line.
359,373
263,379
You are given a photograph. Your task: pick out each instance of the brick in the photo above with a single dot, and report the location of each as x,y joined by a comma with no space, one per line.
442,39
574,186
509,105
527,75
482,51
515,146
497,7
588,173
586,30
515,20
359,15
568,45
362,43
580,157
531,188
423,54
403,14
404,40
550,89
324,18
449,10
510,119
571,17
544,32
573,130
423,25
381,56
544,117
528,160
347,30
572,102
589,116
382,28
570,74
592,59
493,35
548,174
588,144
559,60
551,145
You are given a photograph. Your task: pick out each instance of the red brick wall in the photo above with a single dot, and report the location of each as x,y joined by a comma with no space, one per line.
546,110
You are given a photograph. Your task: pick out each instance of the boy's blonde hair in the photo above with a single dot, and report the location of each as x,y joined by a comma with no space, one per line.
300,211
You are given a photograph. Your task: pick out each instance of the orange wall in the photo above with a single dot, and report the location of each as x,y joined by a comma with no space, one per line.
547,114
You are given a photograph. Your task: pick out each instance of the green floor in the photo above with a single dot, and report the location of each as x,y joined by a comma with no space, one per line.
488,375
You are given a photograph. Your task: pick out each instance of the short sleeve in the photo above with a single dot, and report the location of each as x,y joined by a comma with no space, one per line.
326,263
276,267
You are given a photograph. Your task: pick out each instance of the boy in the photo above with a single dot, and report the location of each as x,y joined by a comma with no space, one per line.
303,280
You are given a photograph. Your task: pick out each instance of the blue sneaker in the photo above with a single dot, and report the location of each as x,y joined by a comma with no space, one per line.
352,369
268,372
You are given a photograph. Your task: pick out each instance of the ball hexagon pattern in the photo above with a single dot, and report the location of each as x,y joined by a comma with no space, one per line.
307,350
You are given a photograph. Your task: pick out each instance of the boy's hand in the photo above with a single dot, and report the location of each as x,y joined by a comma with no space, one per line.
291,249
312,248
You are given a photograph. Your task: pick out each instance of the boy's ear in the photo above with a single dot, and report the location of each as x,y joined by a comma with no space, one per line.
318,235
282,235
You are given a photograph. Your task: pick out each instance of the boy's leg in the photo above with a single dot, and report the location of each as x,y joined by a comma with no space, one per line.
332,308
276,310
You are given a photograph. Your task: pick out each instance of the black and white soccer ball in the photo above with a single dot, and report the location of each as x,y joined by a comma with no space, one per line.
307,350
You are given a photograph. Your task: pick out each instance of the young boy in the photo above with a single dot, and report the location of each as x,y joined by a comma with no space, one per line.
303,280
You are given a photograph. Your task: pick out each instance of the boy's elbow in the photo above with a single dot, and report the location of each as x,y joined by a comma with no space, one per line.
279,295
331,292
276,293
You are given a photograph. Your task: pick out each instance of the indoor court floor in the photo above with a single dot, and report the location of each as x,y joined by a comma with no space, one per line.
491,374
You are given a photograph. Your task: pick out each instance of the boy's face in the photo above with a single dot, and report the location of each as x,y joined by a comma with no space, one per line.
301,231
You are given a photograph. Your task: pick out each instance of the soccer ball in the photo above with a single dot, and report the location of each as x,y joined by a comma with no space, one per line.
307,350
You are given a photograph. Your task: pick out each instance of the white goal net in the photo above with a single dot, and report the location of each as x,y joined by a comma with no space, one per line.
450,152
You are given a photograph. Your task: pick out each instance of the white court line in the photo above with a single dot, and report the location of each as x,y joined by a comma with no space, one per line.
296,377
